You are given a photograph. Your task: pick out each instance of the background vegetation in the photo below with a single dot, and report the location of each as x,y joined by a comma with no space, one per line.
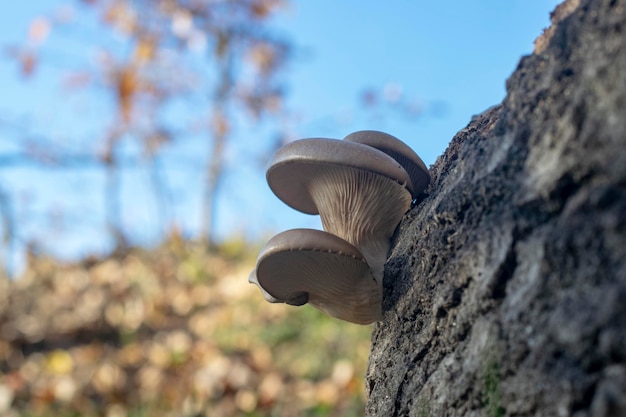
151,86
174,330
169,332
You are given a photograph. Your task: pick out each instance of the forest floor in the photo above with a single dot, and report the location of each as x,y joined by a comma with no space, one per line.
173,331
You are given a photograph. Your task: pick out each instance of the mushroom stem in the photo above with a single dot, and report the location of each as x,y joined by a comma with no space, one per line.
361,207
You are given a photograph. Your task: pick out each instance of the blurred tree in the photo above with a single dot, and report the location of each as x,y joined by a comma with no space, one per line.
212,61
243,57
220,54
7,221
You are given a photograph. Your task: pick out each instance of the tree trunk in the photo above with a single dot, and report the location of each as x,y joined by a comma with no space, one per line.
213,179
505,290
112,205
219,131
7,220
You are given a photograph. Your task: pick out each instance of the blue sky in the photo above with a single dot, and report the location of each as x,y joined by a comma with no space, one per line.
450,59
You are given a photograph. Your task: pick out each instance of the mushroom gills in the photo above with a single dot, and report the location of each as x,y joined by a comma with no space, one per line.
331,272
361,207
298,163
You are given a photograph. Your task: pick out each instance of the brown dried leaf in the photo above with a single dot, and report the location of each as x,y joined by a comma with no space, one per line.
220,124
263,56
262,8
120,15
28,63
145,51
126,82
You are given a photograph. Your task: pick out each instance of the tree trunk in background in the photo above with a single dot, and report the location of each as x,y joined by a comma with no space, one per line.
505,291
112,204
219,132
7,222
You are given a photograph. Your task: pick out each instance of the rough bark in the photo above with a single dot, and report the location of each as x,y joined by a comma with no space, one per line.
505,290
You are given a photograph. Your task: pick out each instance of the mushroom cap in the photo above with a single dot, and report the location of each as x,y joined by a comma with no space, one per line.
301,265
296,164
252,279
398,150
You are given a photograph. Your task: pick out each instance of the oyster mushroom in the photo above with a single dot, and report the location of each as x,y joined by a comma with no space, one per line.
360,192
305,265
398,150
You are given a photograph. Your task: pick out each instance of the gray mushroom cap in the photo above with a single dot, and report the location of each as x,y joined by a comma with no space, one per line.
303,265
398,150
252,279
297,164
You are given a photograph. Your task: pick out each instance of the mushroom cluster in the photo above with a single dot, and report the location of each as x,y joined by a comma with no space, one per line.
361,187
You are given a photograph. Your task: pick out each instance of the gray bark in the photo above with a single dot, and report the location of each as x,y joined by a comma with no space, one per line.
505,290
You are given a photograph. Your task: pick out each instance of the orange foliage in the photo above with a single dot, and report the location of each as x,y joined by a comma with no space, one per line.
28,62
126,86
145,50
